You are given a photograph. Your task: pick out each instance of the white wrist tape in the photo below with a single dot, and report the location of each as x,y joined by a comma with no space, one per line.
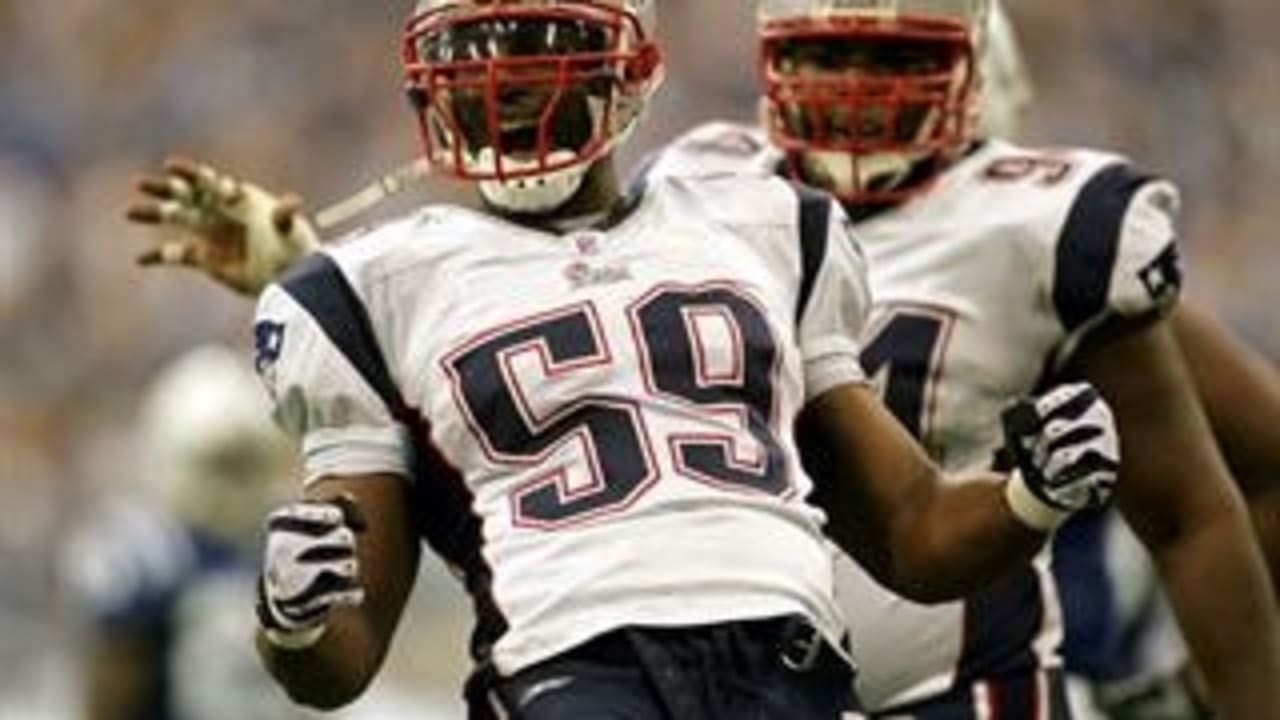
1031,510
296,640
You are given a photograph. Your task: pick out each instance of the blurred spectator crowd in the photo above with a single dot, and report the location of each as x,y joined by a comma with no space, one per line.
305,97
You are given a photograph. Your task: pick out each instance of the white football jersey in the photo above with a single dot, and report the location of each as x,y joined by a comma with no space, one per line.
984,286
602,418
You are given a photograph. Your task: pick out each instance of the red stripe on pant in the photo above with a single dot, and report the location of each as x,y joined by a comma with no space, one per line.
1026,696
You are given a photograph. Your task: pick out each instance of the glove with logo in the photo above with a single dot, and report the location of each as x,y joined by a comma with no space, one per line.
309,567
1065,452
235,232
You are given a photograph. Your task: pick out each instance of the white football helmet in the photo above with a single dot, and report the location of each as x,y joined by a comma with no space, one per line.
870,98
210,452
523,96
1006,84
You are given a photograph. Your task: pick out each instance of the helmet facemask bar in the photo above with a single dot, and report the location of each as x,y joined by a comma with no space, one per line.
509,91
861,104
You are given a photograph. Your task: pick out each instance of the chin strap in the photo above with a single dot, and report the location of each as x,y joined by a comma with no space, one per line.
536,193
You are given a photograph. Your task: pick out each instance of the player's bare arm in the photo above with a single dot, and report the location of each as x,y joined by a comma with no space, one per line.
335,650
1240,391
237,233
1176,493
931,541
1241,394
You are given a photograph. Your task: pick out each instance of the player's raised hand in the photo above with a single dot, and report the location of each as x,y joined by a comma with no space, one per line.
234,231
309,568
1066,454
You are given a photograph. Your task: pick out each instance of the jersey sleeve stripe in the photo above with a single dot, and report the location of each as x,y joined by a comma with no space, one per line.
814,218
318,285
1089,242
443,509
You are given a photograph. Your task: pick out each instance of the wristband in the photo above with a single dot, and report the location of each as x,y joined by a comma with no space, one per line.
1029,509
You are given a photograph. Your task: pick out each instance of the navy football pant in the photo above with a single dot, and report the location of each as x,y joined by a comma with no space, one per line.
776,669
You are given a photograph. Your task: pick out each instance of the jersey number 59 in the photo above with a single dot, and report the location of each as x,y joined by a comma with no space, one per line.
667,327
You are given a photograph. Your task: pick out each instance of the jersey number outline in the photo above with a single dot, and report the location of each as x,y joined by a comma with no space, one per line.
611,428
909,344
1043,170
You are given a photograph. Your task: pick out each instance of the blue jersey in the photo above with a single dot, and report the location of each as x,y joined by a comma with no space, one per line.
1120,627
187,599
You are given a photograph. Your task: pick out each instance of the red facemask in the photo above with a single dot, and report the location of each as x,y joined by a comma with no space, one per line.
512,90
868,108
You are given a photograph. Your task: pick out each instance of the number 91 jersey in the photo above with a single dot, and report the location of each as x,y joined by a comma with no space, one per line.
985,286
602,417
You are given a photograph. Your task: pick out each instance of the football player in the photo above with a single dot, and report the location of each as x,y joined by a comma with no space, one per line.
162,581
1122,651
996,269
584,400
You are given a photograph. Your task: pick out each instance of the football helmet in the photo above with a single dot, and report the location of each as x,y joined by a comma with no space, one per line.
870,98
523,96
211,454
1006,84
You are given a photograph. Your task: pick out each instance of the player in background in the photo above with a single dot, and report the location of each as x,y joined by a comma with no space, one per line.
1122,651
995,269
1121,639
584,400
162,579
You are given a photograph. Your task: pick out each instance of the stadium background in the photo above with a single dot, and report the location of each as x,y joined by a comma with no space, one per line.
304,97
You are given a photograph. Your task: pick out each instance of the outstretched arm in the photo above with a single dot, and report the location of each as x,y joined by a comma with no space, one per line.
887,504
339,631
1176,493
234,231
925,542
932,540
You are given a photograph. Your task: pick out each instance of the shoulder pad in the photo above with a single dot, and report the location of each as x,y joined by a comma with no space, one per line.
716,149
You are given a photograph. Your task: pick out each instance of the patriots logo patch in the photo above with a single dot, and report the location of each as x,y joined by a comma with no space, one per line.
1162,277
268,341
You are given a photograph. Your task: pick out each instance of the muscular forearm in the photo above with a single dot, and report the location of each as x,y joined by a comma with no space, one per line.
924,537
961,540
331,673
1176,493
338,668
1237,649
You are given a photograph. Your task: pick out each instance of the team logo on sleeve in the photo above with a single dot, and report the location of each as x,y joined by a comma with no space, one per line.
268,340
1162,277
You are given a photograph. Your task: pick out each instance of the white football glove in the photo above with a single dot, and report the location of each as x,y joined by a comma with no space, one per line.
235,232
1065,452
310,567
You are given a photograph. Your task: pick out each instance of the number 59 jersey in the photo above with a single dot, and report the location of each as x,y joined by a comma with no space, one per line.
602,418
984,286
